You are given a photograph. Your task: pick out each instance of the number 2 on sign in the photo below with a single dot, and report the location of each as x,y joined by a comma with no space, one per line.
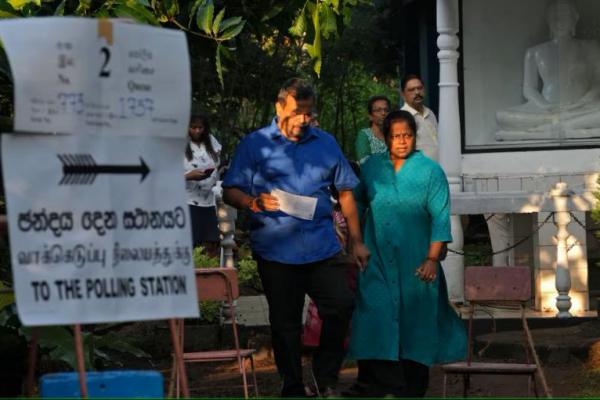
104,72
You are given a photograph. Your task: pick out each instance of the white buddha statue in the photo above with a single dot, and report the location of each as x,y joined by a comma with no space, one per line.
560,83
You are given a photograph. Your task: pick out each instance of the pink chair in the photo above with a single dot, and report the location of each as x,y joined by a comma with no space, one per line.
217,284
500,286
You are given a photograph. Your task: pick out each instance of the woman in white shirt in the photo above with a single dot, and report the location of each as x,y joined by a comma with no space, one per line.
201,163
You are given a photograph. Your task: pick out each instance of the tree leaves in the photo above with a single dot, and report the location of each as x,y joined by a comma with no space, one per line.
7,10
218,65
60,10
299,27
324,17
19,4
230,22
204,17
217,22
136,10
327,21
232,31
275,10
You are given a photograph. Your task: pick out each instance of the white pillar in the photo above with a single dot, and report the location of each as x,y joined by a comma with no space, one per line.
501,237
563,275
449,133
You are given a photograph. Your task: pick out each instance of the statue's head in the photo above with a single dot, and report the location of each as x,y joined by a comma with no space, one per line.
562,18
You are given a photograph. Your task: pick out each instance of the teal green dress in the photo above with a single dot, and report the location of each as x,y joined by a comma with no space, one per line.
399,316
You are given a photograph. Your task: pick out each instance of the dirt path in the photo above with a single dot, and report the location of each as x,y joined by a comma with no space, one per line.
565,380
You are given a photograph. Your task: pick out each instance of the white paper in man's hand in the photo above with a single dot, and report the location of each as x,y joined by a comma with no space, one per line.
295,205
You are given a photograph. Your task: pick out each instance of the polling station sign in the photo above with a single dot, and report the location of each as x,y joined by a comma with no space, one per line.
97,215
87,76
98,227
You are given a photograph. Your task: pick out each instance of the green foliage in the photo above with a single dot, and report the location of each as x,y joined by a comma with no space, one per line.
478,253
6,298
247,269
215,28
57,342
210,311
204,17
343,101
203,260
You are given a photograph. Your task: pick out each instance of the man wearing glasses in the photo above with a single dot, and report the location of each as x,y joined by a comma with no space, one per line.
282,174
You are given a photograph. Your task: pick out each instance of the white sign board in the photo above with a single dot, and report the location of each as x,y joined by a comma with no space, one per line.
86,76
98,219
99,228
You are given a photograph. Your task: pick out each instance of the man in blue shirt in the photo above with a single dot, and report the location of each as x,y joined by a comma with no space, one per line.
298,256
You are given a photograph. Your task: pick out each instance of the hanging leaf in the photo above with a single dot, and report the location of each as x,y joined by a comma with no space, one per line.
171,7
60,10
229,22
193,11
327,21
336,6
143,3
347,14
19,4
6,10
232,31
219,66
273,12
314,50
299,26
83,7
133,9
217,22
205,17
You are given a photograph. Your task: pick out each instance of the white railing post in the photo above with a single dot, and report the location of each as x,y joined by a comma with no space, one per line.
449,137
563,275
226,216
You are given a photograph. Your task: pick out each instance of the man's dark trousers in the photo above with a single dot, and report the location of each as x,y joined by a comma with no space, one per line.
285,286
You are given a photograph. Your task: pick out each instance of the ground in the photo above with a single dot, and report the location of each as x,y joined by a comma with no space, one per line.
571,379
571,369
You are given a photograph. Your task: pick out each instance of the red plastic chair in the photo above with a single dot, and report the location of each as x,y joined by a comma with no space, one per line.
218,284
498,286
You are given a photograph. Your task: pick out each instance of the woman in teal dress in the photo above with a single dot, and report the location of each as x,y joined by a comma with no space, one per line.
403,322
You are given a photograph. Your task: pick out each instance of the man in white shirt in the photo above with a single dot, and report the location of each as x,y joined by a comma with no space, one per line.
412,91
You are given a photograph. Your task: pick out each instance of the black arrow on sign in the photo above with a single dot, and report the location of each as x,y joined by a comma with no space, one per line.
81,169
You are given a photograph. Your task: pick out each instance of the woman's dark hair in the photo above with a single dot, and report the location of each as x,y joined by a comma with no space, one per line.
205,138
395,116
378,97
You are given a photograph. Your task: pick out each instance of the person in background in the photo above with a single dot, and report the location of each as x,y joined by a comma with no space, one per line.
403,321
201,163
370,140
412,91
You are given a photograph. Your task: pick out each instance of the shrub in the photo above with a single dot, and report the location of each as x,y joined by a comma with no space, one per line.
247,269
203,260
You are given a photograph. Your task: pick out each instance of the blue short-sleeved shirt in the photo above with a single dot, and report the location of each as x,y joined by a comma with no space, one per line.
267,160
